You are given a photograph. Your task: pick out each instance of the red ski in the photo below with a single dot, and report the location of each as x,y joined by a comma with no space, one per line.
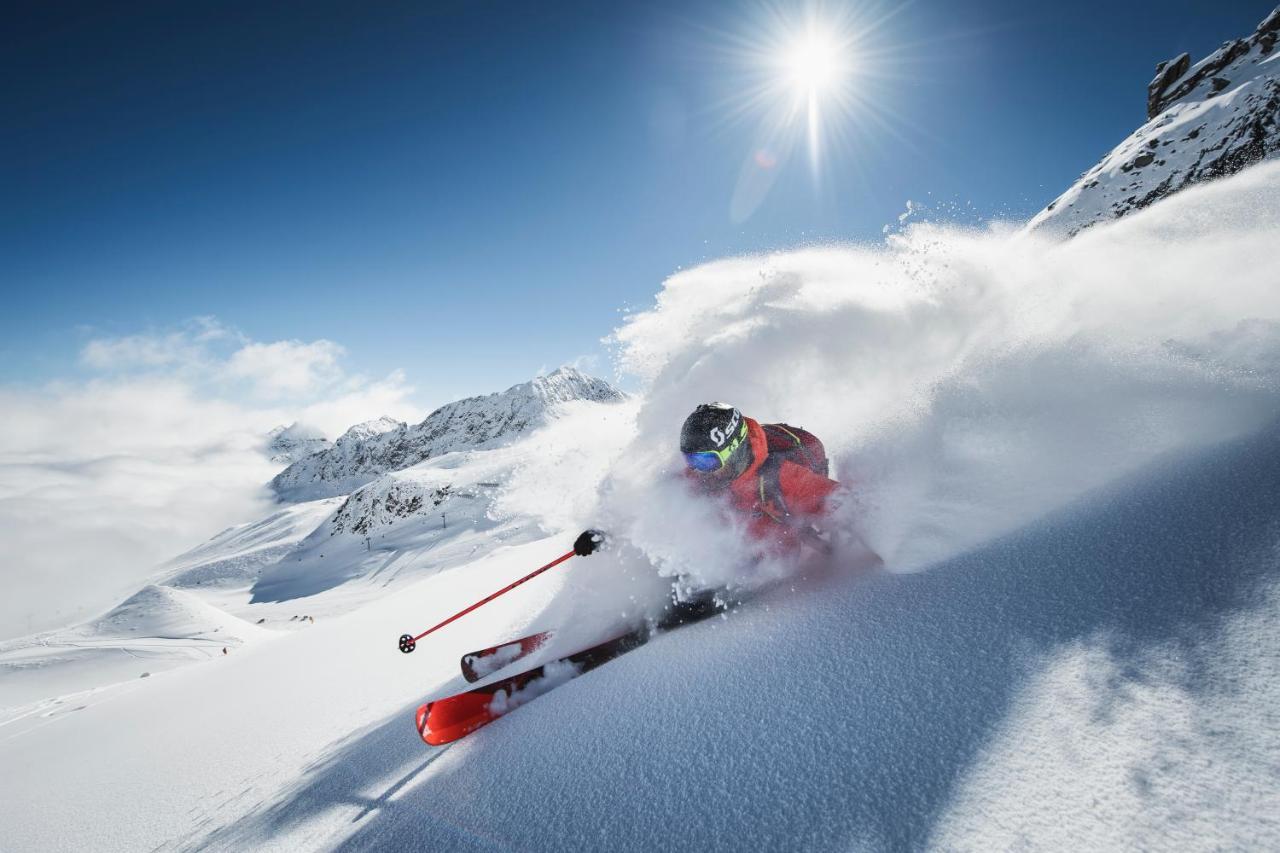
484,663
445,720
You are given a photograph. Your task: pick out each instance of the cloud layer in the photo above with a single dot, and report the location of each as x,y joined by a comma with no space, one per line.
102,479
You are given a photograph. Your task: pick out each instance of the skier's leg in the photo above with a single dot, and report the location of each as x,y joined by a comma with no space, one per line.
686,607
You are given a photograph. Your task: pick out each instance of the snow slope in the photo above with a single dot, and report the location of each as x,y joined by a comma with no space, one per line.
306,561
236,556
194,609
1073,482
1207,120
1089,681
897,709
369,450
156,629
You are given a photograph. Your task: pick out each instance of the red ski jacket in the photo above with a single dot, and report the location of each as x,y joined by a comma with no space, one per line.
777,507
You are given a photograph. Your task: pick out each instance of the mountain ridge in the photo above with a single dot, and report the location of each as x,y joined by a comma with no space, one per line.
1205,120
369,450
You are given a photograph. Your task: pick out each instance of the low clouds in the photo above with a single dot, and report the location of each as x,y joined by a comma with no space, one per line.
102,479
206,353
186,348
292,379
287,367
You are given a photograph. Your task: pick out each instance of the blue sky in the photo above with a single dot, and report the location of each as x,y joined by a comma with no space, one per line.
472,191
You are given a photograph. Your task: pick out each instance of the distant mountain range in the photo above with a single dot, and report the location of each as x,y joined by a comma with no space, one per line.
368,450
1205,120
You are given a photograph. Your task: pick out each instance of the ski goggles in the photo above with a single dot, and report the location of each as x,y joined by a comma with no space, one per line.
706,461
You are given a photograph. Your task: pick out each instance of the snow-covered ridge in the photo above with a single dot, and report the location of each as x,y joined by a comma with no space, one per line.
162,612
1206,120
386,501
369,450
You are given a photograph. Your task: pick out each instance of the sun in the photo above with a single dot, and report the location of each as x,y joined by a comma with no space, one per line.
814,64
813,68
808,75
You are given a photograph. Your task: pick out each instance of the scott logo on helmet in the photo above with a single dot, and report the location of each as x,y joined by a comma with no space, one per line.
720,436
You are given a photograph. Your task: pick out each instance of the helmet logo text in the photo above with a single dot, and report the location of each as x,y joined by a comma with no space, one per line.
720,436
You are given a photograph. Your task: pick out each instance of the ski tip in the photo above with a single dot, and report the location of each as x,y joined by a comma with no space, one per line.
447,720
420,720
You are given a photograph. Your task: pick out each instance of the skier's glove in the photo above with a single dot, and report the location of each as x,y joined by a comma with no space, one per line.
589,542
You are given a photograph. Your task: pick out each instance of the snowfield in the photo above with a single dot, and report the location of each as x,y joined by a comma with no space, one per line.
1067,452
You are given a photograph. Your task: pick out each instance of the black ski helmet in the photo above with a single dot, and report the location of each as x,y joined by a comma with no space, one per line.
717,426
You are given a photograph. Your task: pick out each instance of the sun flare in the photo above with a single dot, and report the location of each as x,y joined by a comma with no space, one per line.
811,77
814,64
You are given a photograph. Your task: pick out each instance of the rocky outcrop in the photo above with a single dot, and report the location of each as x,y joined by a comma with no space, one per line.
1206,120
385,503
1166,72
1175,79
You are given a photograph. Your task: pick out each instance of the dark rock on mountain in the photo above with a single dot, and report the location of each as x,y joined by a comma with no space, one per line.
1207,120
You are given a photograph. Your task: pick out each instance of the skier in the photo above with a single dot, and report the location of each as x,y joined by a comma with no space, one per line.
773,476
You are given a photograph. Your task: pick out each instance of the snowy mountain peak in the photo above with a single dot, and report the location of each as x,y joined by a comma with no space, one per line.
368,450
289,444
565,384
1206,120
369,429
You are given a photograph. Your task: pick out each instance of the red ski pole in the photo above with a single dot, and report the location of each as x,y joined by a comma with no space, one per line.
408,642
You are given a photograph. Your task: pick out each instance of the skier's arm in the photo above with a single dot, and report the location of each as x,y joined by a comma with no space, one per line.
805,492
819,499
813,499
